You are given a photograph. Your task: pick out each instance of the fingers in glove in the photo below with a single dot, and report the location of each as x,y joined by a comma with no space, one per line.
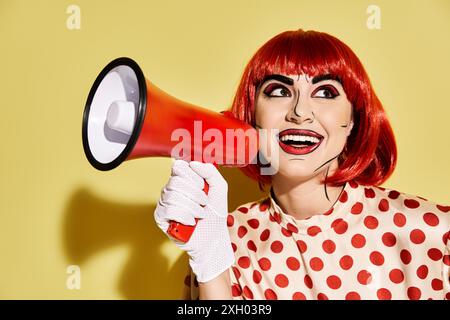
182,215
183,186
174,198
181,168
212,176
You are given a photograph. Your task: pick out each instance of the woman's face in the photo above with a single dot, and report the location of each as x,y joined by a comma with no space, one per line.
319,114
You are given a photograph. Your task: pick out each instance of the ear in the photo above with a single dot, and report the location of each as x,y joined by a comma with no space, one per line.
350,127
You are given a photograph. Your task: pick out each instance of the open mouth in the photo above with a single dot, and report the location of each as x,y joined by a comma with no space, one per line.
299,141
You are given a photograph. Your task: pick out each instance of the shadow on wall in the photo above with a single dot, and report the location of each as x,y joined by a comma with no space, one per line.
93,224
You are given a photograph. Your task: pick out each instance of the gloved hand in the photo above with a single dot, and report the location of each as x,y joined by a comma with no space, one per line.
209,248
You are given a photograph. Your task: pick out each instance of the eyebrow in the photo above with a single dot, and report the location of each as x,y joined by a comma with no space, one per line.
278,77
323,77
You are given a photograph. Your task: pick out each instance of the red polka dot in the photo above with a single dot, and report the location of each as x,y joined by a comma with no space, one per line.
236,290
313,230
326,213
264,264
293,263
384,294
417,236
277,217
322,296
376,258
230,220
242,231
334,282
446,237
328,246
353,184
344,197
357,208
254,223
364,277
442,208
346,262
447,296
292,228
276,246
422,271
236,272
352,295
414,293
434,254
383,205
316,264
298,296
393,194
405,256
251,245
431,219
399,219
371,222
257,276
308,281
446,260
369,193
265,235
234,246
437,284
339,226
389,239
286,232
358,241
244,262
411,203
264,205
243,209
302,246
396,275
281,280
270,294
247,292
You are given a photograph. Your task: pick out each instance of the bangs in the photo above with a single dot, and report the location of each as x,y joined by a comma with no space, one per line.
304,52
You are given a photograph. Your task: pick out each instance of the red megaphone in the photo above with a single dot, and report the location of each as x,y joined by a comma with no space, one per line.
127,117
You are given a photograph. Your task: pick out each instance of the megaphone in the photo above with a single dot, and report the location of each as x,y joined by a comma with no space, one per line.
127,117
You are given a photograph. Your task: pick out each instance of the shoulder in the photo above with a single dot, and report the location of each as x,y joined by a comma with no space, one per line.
407,210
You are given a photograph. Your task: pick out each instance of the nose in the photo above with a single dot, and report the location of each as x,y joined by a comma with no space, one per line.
301,111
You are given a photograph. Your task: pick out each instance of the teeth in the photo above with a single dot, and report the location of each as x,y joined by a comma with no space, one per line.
301,138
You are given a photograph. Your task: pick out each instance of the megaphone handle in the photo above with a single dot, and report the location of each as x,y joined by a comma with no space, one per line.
180,231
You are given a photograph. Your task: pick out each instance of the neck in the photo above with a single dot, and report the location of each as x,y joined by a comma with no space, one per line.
303,199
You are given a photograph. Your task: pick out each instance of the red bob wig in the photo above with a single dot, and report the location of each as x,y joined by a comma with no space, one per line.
370,154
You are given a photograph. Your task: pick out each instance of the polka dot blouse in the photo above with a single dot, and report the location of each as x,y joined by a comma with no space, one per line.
374,243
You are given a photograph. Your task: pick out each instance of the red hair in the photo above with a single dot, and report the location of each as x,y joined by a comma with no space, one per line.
370,154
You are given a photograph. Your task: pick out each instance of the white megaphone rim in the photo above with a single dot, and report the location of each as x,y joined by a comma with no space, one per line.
140,115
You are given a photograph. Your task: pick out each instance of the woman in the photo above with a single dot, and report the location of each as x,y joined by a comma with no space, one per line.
326,230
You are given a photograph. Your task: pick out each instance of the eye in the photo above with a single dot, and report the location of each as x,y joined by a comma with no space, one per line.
326,92
277,90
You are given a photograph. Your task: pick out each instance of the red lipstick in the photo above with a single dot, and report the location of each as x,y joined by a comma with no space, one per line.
299,141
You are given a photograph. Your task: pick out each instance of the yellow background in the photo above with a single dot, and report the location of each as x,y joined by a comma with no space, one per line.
57,211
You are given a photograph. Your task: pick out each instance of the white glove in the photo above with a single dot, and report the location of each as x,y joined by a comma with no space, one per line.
209,248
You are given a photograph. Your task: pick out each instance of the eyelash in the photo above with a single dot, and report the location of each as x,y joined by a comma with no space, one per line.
332,90
274,86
